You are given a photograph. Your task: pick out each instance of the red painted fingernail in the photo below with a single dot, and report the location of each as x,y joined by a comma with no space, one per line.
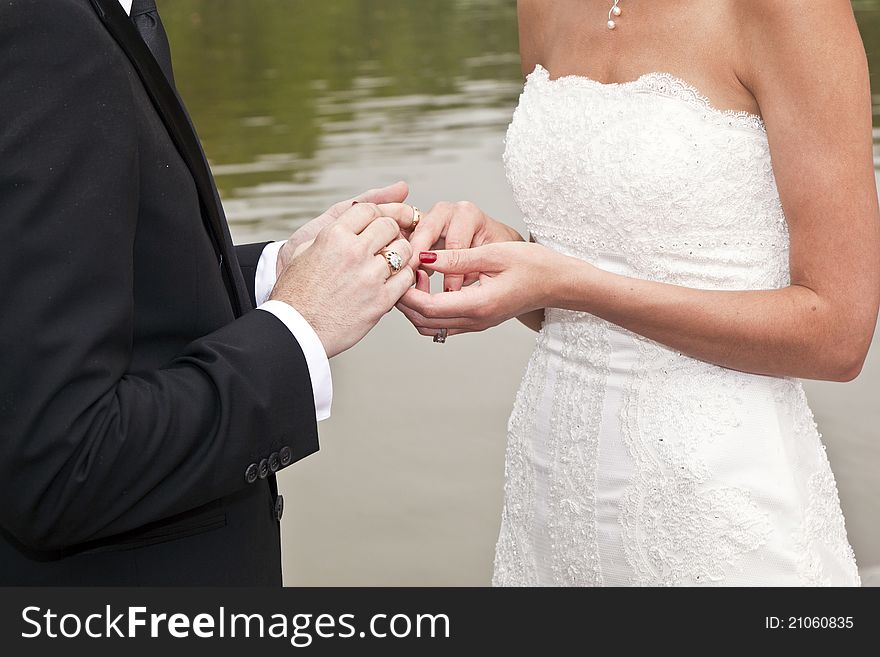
426,257
355,202
449,289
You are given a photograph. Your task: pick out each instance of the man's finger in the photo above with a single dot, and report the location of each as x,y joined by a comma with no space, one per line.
398,284
402,248
380,233
302,247
358,217
395,193
402,213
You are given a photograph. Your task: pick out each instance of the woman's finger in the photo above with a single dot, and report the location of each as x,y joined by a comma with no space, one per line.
479,260
470,279
414,317
431,231
420,322
446,305
423,281
465,304
465,222
430,333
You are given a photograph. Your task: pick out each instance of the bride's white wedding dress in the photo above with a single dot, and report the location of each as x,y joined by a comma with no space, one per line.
629,463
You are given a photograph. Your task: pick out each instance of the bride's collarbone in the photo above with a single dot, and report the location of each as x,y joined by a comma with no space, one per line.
692,40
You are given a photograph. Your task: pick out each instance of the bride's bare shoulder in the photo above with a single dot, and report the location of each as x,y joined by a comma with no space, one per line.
796,38
781,23
786,10
532,24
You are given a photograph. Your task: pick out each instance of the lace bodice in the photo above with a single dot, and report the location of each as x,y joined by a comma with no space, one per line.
649,173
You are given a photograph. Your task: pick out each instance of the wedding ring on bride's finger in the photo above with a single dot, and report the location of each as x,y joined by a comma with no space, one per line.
441,336
417,217
394,260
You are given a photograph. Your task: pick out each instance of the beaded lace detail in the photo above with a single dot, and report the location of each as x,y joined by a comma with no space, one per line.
515,560
681,527
821,532
573,450
664,84
633,464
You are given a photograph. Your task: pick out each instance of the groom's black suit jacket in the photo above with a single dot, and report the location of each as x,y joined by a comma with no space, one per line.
144,404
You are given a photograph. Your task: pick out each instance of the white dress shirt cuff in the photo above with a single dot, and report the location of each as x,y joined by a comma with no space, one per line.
316,357
266,277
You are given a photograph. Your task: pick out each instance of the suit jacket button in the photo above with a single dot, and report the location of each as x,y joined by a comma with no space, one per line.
274,462
264,469
279,507
286,456
250,475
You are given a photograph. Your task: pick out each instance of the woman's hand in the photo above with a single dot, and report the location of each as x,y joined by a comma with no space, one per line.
515,278
458,226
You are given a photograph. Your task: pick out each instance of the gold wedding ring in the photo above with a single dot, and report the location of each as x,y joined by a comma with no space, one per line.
394,260
417,217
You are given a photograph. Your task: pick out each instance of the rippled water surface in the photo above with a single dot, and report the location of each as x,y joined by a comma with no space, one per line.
287,93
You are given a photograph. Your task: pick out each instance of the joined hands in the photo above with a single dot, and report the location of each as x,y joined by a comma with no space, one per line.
334,272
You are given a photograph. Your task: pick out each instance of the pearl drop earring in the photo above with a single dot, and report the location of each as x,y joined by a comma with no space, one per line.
615,12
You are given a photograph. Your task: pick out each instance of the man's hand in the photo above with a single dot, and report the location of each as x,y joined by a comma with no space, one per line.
341,284
395,193
458,226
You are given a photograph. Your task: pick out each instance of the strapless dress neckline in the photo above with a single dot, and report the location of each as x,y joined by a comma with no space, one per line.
658,82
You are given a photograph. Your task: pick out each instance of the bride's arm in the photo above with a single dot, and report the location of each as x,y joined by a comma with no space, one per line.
535,318
801,331
811,82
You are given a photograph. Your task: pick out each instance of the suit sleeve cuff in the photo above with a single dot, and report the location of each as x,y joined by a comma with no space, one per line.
265,278
313,350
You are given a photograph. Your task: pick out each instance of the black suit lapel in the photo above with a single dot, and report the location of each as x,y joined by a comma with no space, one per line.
174,117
